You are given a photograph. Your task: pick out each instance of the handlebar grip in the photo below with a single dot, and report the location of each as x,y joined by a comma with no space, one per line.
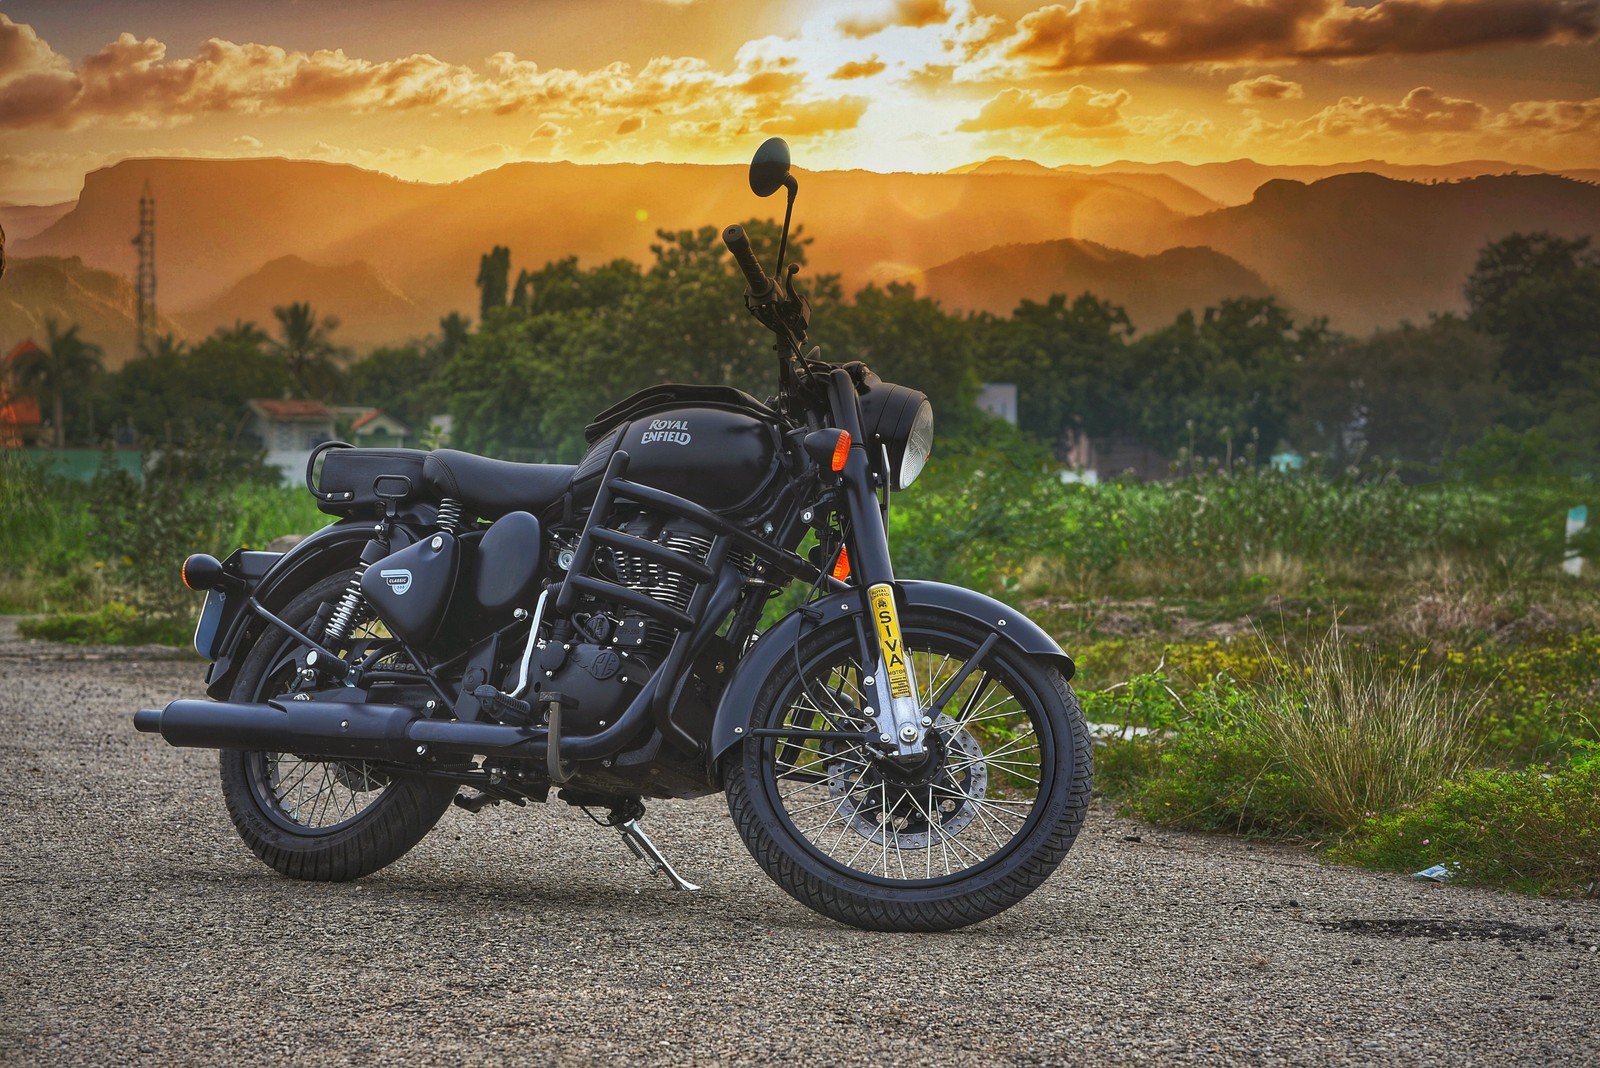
738,243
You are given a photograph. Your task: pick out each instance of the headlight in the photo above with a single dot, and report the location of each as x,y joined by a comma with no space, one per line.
899,420
918,446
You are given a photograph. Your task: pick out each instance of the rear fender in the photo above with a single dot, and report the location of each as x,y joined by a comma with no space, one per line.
737,705
331,549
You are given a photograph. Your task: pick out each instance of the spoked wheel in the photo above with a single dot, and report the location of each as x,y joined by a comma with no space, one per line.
967,831
326,820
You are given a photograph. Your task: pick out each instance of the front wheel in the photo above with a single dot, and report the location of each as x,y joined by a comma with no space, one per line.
965,833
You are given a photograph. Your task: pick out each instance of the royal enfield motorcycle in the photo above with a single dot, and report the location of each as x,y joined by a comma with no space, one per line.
898,755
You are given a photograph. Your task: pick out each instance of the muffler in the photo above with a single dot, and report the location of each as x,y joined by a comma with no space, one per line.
320,728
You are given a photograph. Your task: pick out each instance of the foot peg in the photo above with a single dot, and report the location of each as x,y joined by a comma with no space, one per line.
646,850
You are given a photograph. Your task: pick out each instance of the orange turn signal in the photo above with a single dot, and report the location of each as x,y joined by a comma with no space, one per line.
841,566
841,450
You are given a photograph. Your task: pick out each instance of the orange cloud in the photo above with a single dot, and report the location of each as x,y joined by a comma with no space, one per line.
822,116
861,69
1144,33
1422,111
1080,112
1266,87
1556,118
914,13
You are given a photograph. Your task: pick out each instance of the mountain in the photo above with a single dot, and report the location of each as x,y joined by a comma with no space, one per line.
1369,251
24,220
1153,289
1181,198
371,309
102,304
218,221
1236,181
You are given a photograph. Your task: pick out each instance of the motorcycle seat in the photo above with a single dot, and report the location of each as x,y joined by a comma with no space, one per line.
491,488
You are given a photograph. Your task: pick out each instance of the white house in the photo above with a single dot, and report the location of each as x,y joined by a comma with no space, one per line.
289,430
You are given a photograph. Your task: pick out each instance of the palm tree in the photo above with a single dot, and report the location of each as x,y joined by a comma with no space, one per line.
67,364
304,344
243,333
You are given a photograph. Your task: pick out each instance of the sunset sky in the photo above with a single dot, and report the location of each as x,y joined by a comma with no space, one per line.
435,92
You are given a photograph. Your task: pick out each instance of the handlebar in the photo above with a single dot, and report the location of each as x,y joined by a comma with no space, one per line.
738,243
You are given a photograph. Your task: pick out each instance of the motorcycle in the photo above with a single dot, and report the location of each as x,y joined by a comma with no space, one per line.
898,755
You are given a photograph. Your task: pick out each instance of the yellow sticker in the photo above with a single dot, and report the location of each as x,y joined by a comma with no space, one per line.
889,640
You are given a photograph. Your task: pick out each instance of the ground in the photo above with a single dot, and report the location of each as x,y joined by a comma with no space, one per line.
138,929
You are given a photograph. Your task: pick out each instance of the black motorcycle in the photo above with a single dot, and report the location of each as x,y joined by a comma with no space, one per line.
898,755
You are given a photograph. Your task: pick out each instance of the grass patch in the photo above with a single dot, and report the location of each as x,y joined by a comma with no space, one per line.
110,624
1536,830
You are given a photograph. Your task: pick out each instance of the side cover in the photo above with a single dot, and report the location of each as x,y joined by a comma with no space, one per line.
779,641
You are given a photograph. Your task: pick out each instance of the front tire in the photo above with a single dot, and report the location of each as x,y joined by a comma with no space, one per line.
321,820
970,832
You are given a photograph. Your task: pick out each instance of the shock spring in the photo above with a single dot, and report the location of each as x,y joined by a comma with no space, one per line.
344,614
449,515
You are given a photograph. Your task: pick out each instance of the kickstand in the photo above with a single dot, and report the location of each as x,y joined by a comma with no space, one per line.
646,850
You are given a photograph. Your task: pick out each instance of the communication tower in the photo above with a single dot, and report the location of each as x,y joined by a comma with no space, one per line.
145,284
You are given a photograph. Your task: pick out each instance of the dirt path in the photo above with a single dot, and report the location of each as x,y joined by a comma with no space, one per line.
137,929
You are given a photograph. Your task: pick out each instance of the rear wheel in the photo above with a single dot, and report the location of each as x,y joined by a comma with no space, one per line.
953,839
325,820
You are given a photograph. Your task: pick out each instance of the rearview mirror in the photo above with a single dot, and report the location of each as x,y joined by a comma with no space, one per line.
769,169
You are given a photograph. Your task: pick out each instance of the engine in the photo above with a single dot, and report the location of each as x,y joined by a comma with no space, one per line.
600,658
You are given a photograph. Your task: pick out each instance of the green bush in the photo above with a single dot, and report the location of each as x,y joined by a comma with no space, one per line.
110,624
1536,830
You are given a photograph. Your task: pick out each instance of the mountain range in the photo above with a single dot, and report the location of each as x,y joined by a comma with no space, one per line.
388,257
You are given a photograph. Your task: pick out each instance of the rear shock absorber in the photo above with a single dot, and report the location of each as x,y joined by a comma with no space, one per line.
348,610
449,515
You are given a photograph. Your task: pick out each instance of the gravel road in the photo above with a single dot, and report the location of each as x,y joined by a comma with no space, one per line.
136,928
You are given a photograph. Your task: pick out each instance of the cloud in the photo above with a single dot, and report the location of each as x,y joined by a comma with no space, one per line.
1552,118
1145,33
913,13
1423,111
864,68
1266,87
820,117
1080,112
247,142
631,124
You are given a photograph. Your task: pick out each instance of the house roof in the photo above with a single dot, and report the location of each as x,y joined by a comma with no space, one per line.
297,410
21,349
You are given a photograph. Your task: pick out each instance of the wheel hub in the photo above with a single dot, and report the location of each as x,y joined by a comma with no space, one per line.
904,805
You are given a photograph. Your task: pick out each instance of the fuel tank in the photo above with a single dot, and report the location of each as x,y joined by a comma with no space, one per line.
720,458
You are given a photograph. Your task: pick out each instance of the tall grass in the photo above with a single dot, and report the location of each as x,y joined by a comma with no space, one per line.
1357,735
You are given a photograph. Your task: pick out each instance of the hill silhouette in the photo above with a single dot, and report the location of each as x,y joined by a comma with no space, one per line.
1181,198
371,309
220,220
1366,250
1235,182
25,220
1153,289
102,304
1369,251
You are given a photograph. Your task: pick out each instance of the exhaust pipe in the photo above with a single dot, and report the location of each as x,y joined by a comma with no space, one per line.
325,728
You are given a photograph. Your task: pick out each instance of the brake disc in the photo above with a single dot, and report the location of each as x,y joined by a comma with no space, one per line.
904,809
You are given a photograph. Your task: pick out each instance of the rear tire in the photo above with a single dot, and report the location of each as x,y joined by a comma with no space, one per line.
976,828
321,820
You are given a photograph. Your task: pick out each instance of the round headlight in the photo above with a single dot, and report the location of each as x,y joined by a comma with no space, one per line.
919,445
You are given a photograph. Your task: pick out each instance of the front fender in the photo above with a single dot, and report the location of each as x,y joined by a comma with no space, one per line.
335,546
778,641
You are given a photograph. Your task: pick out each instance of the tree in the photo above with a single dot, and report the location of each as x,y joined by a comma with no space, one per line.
1539,294
1212,381
159,398
1067,361
66,366
494,274
306,348
1415,394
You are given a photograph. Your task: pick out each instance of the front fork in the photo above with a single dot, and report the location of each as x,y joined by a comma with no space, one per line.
892,693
